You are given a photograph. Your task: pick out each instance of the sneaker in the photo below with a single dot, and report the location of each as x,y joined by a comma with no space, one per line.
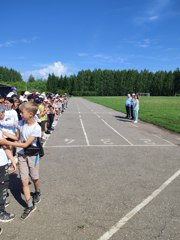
43,140
48,132
6,217
135,121
36,197
27,212
7,203
1,230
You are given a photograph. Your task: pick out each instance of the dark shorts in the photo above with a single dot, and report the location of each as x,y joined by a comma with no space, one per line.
43,126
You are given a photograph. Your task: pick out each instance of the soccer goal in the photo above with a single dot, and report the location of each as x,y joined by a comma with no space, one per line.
144,94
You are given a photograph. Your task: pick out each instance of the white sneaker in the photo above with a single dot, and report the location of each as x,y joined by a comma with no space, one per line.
135,121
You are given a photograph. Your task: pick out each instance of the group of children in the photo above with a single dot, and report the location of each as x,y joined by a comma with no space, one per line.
22,123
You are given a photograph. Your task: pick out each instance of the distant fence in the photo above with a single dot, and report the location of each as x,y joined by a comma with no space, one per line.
144,94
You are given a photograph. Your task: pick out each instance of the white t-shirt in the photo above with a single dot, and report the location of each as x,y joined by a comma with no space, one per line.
27,131
11,114
3,157
10,94
7,125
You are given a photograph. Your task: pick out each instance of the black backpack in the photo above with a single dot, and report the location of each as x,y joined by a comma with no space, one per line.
41,149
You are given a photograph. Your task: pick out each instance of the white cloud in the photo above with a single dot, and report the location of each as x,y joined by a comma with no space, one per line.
144,43
7,44
82,54
153,18
56,68
11,43
153,13
102,56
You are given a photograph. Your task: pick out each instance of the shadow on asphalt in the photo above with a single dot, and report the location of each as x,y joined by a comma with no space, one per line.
123,119
15,187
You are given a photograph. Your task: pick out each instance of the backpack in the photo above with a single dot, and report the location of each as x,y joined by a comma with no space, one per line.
41,149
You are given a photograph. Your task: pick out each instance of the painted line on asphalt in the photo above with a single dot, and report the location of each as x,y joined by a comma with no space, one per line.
85,134
82,125
164,140
117,132
85,146
134,125
137,209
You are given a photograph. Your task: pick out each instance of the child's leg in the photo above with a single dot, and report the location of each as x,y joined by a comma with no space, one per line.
26,190
36,185
4,183
24,174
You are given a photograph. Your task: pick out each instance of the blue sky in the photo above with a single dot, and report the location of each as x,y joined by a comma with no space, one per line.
65,36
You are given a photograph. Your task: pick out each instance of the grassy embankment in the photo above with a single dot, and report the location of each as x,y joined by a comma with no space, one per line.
161,111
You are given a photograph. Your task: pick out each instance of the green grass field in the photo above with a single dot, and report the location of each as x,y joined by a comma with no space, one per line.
161,111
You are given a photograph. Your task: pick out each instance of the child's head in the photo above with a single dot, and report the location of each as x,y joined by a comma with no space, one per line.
9,101
28,109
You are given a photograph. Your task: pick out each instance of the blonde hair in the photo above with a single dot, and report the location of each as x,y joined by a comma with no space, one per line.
30,107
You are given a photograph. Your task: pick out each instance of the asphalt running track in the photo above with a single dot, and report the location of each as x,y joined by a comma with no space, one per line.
103,177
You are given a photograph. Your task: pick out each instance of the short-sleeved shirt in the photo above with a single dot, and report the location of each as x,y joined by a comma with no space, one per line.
44,117
3,157
27,131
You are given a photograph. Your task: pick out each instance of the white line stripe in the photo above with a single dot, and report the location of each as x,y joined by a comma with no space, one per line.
74,146
117,132
135,210
134,125
164,140
87,141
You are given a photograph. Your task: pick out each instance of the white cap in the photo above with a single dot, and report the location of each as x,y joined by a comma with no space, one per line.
27,93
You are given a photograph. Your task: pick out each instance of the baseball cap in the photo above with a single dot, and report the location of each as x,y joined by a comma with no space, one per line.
14,88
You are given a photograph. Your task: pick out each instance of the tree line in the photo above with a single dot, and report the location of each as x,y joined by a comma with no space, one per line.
100,82
117,83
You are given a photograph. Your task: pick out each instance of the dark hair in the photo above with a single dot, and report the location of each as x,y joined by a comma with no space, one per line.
10,99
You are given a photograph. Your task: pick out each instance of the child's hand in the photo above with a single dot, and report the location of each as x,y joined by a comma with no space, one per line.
14,166
15,124
3,141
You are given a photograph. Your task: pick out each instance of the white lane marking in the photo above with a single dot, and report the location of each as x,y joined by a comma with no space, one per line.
87,140
134,125
74,146
164,140
78,108
117,132
68,141
140,206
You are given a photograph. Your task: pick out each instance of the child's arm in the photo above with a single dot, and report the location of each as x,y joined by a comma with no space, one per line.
9,135
10,156
18,144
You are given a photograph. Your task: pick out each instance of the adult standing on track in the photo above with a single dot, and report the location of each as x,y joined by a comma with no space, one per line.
136,108
132,106
128,106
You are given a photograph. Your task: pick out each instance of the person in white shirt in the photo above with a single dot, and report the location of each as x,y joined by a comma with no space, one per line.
13,92
4,183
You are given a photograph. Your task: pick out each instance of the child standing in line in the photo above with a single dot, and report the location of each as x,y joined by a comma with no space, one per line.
28,165
4,184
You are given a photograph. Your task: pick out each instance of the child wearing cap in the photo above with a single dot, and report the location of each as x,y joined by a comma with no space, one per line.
13,92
